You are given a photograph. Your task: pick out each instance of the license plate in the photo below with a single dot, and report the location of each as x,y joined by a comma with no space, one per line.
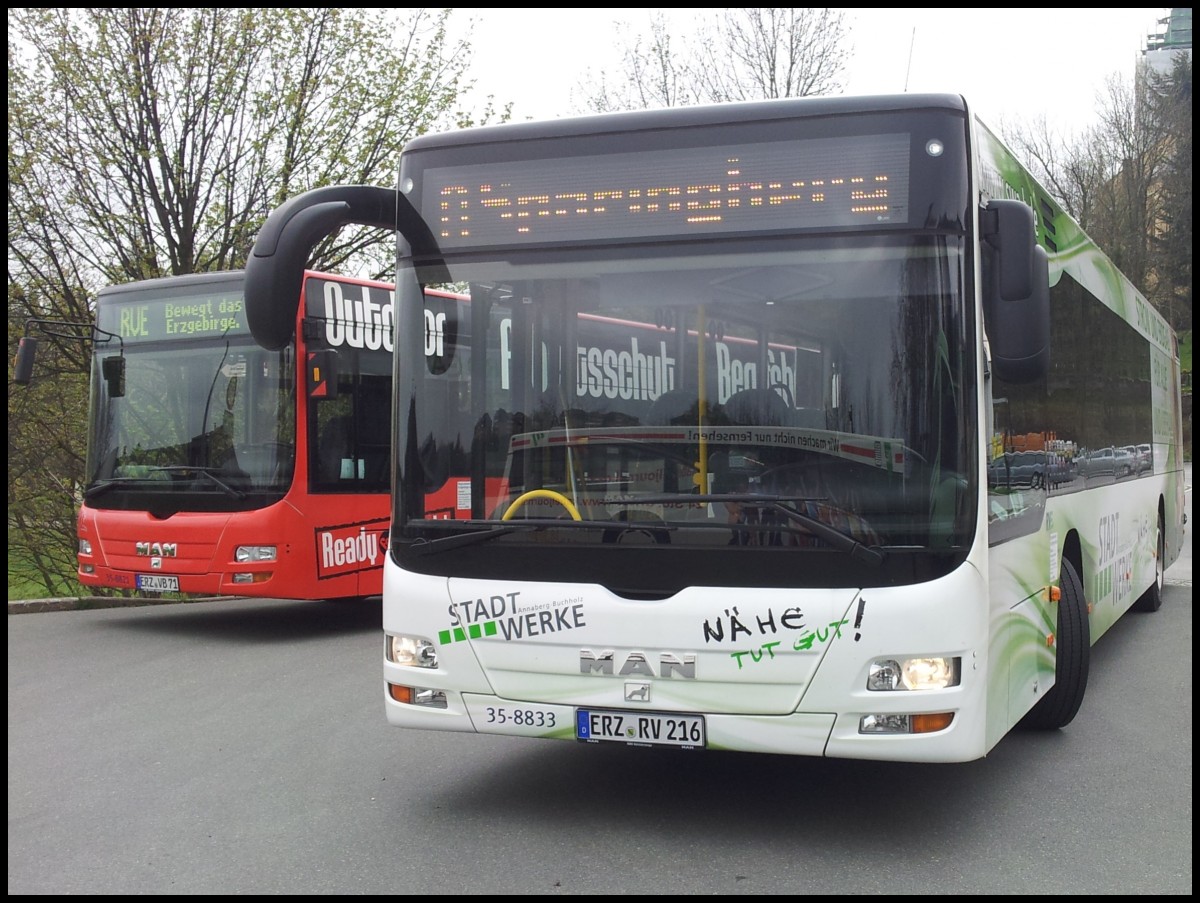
640,728
158,583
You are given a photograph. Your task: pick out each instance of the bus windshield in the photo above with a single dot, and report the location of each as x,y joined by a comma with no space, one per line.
748,395
211,420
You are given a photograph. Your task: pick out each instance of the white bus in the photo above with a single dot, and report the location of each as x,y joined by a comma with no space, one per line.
740,419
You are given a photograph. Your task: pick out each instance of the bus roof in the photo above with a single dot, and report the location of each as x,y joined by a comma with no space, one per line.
708,114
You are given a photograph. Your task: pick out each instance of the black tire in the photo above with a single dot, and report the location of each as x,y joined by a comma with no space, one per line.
1151,599
1073,645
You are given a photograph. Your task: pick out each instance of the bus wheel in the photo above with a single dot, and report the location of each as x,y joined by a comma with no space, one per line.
1151,599
1073,645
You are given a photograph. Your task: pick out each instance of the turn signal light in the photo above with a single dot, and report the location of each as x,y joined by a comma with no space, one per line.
926,724
422,696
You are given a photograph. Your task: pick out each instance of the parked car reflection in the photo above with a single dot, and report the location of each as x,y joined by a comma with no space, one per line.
1032,469
1124,461
1144,459
1099,462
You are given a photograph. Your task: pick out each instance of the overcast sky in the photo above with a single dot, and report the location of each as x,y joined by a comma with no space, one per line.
1013,64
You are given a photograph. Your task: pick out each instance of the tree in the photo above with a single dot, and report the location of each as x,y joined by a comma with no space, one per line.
151,142
163,136
649,76
1170,101
776,53
1127,181
1130,198
1072,168
740,54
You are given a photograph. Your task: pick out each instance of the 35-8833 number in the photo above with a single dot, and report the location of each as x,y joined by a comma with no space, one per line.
520,717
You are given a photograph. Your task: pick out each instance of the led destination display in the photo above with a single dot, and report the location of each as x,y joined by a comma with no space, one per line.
805,184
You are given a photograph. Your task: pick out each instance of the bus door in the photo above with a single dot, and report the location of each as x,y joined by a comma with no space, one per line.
348,354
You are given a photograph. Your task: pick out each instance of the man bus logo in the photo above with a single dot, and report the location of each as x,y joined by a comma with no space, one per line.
669,664
156,549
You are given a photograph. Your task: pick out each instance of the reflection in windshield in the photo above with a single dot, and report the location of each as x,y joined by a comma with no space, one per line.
207,419
830,382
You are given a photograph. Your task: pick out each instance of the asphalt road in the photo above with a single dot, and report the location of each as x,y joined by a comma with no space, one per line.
240,747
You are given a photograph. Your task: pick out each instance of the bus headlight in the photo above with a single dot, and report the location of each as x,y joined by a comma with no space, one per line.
243,554
85,547
913,674
412,651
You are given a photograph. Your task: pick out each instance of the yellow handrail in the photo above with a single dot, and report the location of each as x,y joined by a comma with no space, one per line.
541,494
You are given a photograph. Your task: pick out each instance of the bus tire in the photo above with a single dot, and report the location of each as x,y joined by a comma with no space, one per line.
1151,599
1073,648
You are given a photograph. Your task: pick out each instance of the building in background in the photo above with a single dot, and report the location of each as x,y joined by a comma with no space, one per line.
1162,47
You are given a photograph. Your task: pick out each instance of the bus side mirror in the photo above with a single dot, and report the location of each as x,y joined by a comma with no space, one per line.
113,370
1009,227
1016,294
23,369
275,266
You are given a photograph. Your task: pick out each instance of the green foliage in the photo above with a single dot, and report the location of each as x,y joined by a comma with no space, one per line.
25,581
45,462
147,142
150,142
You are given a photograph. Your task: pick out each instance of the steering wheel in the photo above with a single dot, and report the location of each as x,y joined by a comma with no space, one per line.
541,494
642,525
787,394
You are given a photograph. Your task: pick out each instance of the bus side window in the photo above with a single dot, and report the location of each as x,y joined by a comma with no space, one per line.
333,450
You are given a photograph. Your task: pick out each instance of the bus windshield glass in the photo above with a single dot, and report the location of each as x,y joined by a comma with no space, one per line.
749,393
208,420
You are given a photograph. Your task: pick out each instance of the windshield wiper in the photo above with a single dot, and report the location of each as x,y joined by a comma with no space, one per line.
206,472
529,524
838,540
458,540
103,486
843,542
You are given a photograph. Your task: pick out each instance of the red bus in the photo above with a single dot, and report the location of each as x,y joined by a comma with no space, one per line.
218,467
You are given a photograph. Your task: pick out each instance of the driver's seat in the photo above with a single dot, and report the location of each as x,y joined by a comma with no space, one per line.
758,407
